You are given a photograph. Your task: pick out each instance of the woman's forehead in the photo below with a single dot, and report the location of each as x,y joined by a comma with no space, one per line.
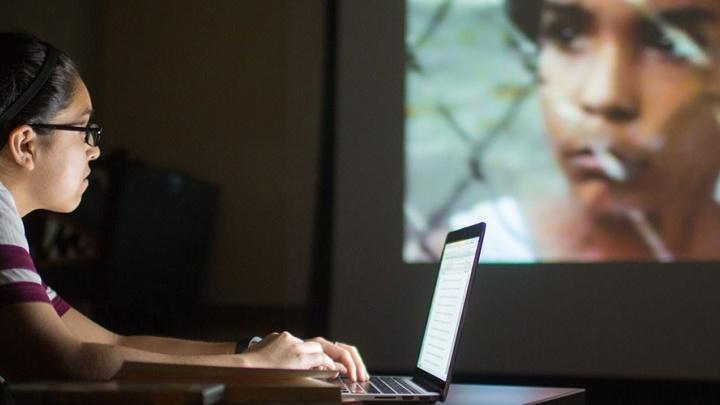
80,106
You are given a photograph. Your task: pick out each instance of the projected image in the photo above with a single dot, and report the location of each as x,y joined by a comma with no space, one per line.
579,130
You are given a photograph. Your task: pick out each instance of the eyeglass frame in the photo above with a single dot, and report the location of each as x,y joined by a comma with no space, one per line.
93,131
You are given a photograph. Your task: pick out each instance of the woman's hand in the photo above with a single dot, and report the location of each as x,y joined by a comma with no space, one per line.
283,350
347,357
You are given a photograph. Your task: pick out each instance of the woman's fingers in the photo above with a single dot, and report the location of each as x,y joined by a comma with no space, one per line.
338,354
362,373
341,368
347,355
287,351
319,360
310,354
309,347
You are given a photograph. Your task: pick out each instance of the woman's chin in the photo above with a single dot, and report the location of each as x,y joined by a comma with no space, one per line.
67,207
75,202
64,209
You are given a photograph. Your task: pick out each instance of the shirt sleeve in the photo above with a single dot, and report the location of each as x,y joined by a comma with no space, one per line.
20,281
60,305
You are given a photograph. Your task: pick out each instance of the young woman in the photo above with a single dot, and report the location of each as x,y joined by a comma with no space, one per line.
47,143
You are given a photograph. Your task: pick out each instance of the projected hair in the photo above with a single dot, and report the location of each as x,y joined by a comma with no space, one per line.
525,14
22,57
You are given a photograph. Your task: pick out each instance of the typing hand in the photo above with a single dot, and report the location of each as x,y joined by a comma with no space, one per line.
346,356
283,350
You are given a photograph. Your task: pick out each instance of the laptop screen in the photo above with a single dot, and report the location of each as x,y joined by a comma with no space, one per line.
446,308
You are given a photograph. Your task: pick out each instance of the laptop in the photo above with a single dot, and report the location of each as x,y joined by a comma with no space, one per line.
431,380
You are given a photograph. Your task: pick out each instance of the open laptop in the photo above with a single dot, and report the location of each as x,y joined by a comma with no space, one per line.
431,381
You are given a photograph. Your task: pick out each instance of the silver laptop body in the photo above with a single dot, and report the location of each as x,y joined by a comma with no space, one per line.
431,380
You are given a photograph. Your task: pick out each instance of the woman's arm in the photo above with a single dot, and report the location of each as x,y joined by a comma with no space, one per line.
85,329
176,346
36,344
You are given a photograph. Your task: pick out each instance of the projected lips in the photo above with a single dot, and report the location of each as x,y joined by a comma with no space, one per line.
596,163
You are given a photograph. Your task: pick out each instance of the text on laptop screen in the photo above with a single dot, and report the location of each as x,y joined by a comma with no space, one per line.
446,308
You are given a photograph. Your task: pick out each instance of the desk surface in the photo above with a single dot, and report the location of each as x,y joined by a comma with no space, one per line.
462,394
123,393
115,393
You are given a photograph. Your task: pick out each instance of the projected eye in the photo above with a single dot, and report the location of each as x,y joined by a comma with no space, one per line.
653,37
564,32
656,39
671,41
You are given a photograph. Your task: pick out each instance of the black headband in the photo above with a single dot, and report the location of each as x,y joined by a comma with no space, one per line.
38,82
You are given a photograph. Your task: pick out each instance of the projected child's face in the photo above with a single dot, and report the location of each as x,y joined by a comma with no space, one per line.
630,91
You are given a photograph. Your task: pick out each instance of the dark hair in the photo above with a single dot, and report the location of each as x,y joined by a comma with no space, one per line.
21,57
525,14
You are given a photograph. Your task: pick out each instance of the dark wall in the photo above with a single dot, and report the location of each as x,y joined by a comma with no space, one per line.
224,91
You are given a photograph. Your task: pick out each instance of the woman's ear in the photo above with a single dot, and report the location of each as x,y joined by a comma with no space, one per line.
22,145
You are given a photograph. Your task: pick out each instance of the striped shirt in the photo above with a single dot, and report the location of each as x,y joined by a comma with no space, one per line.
19,281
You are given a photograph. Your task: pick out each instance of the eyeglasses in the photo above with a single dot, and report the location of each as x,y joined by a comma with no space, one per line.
93,132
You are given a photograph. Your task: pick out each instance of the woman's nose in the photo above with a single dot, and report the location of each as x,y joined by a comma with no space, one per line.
94,152
610,90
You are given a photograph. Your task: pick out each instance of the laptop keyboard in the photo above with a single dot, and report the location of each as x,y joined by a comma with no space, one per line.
379,385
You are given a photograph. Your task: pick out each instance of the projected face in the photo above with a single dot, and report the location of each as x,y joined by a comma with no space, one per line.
627,96
630,96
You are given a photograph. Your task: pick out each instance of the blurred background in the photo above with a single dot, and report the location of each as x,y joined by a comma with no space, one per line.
208,214
199,220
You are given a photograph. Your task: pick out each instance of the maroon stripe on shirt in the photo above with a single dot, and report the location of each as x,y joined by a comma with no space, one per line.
60,305
15,257
17,293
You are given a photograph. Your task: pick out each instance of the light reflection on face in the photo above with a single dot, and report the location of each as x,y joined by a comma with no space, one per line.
619,88
64,157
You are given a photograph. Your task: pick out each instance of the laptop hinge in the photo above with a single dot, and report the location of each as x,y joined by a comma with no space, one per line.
427,385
